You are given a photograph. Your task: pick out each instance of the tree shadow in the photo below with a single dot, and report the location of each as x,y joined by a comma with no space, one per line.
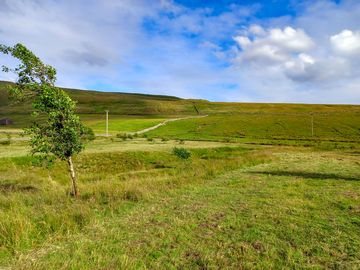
310,175
11,187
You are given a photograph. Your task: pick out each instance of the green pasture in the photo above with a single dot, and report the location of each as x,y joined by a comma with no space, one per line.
225,207
119,124
266,186
330,126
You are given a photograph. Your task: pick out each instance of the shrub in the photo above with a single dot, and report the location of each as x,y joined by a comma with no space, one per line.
164,139
150,139
181,152
7,141
122,136
181,142
89,134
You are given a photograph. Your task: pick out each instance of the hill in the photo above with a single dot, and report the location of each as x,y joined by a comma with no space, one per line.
225,120
95,102
118,103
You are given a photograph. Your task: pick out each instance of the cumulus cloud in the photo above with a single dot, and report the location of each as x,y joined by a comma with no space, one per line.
346,42
293,58
284,48
161,46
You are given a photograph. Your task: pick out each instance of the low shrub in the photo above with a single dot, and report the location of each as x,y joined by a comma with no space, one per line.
181,152
7,141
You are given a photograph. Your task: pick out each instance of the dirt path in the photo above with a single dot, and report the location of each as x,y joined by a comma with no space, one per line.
163,124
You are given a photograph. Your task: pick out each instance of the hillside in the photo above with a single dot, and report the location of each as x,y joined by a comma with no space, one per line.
95,102
224,121
118,103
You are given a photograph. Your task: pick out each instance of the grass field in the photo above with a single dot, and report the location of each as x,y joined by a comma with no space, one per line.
120,124
227,207
331,126
261,190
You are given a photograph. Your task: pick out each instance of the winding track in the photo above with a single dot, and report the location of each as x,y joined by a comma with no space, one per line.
163,124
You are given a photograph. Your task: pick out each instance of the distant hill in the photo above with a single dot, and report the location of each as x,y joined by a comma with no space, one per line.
118,103
95,102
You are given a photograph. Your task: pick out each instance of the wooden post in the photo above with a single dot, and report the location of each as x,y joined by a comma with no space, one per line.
107,123
75,192
312,125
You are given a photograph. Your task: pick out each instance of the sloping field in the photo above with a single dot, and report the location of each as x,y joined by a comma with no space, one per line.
133,112
339,126
118,103
139,104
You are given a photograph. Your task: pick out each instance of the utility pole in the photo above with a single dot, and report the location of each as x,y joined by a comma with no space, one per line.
312,124
107,123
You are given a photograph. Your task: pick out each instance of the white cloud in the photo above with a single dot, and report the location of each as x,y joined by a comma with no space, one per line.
243,41
159,46
346,42
256,30
299,69
274,46
294,40
289,57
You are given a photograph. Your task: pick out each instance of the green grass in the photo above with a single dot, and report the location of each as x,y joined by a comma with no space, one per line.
248,197
223,208
118,124
92,102
246,122
36,206
331,126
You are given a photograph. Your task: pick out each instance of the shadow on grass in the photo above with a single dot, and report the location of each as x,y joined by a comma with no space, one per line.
8,187
323,176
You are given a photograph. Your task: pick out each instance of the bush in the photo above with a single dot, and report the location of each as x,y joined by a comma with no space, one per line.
122,136
150,139
7,141
181,152
164,139
88,134
181,142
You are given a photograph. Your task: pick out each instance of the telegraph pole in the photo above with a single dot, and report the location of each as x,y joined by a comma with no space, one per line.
312,124
107,123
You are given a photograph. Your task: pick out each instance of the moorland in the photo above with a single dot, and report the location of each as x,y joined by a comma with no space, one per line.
266,186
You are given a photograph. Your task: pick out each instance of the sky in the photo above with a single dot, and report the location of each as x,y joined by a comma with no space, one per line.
220,50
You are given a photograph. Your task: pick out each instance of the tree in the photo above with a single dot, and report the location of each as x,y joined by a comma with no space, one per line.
56,131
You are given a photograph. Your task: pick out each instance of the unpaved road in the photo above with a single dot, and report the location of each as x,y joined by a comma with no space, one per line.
163,124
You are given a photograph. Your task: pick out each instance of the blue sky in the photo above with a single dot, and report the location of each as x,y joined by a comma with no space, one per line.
222,50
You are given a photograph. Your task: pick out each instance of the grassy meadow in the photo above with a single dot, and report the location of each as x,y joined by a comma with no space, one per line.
259,191
331,126
119,123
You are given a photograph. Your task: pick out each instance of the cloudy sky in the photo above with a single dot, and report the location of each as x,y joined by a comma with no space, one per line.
262,51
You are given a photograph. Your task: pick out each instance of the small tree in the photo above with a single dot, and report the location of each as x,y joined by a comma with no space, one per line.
56,131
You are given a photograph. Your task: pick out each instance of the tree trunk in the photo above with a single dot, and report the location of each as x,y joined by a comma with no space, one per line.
73,177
